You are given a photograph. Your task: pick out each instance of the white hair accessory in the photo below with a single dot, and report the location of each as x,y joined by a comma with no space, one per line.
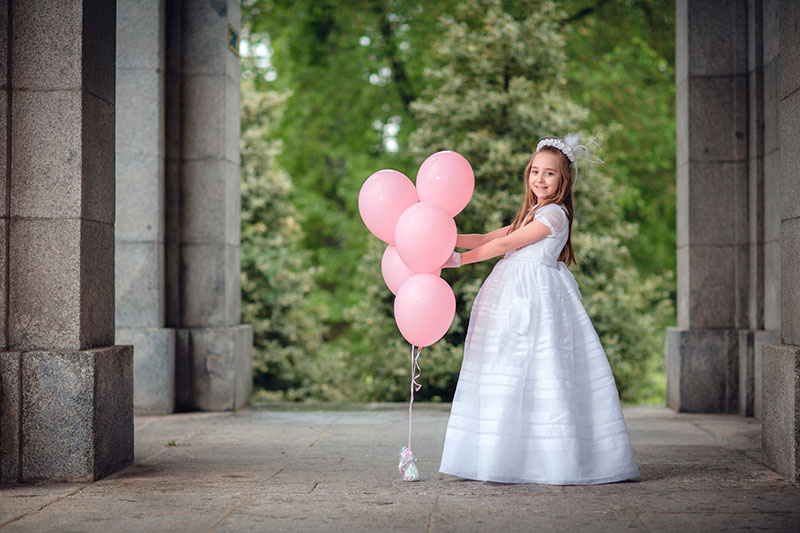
571,147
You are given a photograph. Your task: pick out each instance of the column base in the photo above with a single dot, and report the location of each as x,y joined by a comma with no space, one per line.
761,339
214,368
751,345
66,415
702,370
780,427
153,368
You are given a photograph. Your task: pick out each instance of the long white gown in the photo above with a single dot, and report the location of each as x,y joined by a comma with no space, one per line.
536,401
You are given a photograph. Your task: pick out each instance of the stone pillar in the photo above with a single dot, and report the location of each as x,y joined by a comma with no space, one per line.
8,427
67,391
214,351
140,221
781,362
5,163
763,176
767,330
702,353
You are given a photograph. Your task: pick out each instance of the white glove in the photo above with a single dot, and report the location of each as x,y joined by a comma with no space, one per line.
454,261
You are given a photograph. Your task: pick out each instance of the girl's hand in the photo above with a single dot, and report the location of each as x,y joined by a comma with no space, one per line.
454,261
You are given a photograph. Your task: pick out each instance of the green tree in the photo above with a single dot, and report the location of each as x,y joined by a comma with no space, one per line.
352,68
373,84
621,69
501,88
277,277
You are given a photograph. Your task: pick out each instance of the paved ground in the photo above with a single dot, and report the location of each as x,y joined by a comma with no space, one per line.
283,469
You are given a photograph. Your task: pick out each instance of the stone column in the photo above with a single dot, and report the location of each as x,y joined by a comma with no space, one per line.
781,362
214,351
67,390
763,318
767,329
5,163
140,221
702,353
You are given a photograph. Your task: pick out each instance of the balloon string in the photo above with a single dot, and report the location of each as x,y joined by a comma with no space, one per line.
415,373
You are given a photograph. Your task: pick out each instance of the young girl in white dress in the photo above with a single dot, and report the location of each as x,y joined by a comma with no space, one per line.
536,401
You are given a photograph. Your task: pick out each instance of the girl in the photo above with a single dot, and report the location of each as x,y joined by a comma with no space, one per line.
536,401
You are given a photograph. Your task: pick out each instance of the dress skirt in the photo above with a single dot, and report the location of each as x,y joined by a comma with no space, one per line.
536,401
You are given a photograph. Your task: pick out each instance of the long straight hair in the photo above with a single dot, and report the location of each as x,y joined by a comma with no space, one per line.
563,196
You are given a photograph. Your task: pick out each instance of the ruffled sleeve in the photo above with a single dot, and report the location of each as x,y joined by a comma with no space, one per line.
552,216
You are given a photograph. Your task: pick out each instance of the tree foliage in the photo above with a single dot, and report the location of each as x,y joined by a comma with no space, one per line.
277,276
501,89
365,85
621,70
347,67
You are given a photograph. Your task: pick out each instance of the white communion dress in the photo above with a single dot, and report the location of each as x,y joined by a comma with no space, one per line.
536,401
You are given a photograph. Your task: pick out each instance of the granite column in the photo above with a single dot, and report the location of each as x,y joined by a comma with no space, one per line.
213,350
66,391
781,361
140,227
702,353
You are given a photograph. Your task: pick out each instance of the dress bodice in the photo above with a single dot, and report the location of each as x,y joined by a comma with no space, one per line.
554,216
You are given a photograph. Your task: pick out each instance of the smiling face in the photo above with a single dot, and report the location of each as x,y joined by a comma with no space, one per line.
545,175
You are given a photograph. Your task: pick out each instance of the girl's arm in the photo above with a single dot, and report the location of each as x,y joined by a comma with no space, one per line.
501,244
474,240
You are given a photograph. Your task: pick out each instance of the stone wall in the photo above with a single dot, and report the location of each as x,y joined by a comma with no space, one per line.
66,391
781,365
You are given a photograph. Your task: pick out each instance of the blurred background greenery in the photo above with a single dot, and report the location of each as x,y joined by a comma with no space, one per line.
334,90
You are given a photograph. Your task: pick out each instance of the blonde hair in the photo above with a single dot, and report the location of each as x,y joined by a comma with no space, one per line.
563,196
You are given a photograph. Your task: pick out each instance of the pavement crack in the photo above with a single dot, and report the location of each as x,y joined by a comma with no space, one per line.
278,471
430,515
314,443
636,513
145,424
252,496
48,504
696,424
235,508
322,434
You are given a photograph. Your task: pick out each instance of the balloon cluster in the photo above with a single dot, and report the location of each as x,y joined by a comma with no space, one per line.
418,227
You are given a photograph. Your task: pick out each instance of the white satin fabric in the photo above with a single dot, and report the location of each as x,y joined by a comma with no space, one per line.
536,401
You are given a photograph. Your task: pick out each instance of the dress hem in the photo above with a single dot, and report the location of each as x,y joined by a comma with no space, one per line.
628,476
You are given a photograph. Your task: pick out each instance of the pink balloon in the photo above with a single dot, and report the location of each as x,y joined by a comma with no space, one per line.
424,309
425,237
447,179
394,271
382,199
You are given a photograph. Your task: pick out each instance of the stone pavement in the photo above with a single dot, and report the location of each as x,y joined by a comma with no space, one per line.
286,468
